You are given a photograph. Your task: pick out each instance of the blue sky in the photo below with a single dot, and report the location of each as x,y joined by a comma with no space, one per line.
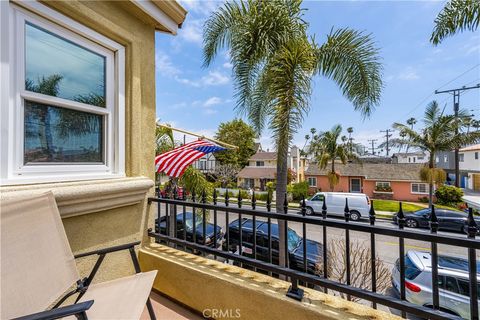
198,99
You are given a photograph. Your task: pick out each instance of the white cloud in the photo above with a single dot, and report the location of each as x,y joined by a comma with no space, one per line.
227,65
192,31
203,7
164,65
212,101
210,111
215,78
409,74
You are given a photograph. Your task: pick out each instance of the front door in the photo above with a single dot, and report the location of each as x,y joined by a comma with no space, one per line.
355,185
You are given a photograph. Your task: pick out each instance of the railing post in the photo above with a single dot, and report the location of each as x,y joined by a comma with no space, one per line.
269,230
204,218
433,230
325,247
254,218
472,266
215,220
347,245
401,249
294,291
373,256
227,221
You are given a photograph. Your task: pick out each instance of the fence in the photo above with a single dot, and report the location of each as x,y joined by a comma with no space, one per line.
274,262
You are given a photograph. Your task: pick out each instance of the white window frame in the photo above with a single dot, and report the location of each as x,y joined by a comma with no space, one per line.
13,171
383,183
461,157
312,179
418,188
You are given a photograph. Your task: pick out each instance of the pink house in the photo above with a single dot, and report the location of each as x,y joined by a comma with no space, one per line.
397,181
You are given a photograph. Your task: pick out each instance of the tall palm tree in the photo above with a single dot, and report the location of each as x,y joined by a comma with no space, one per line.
456,16
438,134
350,139
273,64
328,149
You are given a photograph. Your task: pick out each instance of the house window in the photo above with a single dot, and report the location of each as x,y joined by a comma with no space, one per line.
382,184
445,158
419,188
476,155
312,181
67,111
461,157
437,159
420,158
260,164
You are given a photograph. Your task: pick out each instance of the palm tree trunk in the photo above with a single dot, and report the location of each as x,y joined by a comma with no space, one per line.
332,186
281,189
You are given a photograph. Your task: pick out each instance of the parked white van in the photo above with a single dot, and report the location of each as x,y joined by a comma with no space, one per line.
358,203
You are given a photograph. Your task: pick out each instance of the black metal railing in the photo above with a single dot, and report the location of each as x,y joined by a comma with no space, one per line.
303,274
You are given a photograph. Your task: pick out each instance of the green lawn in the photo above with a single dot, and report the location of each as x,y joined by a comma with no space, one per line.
392,206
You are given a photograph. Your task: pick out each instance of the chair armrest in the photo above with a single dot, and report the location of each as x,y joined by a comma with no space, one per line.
60,312
108,250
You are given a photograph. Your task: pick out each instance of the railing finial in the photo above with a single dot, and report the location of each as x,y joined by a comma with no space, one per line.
347,211
226,197
472,225
433,220
254,200
304,206
239,198
400,216
285,204
269,201
371,213
215,196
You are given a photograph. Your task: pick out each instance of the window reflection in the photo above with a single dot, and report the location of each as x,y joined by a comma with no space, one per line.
60,68
55,134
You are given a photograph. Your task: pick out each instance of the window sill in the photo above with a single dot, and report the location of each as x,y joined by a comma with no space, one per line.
384,192
82,197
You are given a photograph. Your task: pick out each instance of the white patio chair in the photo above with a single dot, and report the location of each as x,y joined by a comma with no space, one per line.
38,268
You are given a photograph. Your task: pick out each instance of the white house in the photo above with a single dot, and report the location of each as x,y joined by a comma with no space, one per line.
206,164
410,157
469,162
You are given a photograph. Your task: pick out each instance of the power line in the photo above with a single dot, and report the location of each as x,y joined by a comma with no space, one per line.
373,145
387,136
443,85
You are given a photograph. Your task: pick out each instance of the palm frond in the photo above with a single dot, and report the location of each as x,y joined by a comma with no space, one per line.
351,59
456,16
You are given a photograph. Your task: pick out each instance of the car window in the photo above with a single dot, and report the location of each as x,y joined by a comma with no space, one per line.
318,197
293,239
463,287
451,284
440,213
456,215
422,212
411,270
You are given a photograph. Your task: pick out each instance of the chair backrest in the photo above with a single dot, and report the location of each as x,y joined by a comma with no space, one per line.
37,264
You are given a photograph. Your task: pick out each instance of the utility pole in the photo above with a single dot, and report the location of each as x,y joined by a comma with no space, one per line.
373,145
456,107
387,136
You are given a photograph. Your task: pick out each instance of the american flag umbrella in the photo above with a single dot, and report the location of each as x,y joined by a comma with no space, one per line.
174,162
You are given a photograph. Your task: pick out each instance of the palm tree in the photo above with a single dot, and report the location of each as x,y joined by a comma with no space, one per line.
328,149
437,135
350,139
456,16
274,62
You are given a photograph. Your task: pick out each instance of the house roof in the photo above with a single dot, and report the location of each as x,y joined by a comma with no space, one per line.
167,15
406,154
471,148
372,171
258,173
264,156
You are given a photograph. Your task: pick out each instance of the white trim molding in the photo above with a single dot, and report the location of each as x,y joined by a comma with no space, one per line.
12,79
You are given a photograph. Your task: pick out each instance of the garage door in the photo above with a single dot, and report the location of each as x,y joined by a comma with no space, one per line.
476,182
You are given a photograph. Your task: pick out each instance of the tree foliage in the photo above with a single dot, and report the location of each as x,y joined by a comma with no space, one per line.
448,195
456,16
240,134
438,134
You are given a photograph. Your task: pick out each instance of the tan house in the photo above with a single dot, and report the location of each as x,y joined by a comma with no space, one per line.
262,168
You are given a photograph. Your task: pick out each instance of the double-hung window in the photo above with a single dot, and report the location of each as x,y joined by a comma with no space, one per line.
312,181
419,188
66,105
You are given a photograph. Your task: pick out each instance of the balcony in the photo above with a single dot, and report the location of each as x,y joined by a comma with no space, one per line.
237,276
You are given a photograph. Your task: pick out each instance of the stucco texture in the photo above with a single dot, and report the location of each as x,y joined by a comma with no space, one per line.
206,285
124,23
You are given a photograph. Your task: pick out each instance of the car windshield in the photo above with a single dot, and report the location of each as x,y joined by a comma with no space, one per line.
293,240
422,212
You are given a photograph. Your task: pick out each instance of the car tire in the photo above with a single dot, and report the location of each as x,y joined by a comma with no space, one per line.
309,211
355,215
411,223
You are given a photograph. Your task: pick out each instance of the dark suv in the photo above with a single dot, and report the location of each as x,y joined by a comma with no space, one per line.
295,244
209,229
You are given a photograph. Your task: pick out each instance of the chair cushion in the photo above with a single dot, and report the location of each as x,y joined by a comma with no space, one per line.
122,298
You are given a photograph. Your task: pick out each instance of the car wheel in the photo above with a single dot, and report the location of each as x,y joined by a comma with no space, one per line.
411,223
309,211
354,215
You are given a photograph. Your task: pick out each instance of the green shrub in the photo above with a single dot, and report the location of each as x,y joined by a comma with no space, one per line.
298,190
448,195
271,185
262,196
423,199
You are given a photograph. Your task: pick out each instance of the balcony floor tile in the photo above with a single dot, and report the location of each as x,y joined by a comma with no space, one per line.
166,309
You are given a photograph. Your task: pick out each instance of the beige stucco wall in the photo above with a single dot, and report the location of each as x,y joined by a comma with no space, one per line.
207,285
123,221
